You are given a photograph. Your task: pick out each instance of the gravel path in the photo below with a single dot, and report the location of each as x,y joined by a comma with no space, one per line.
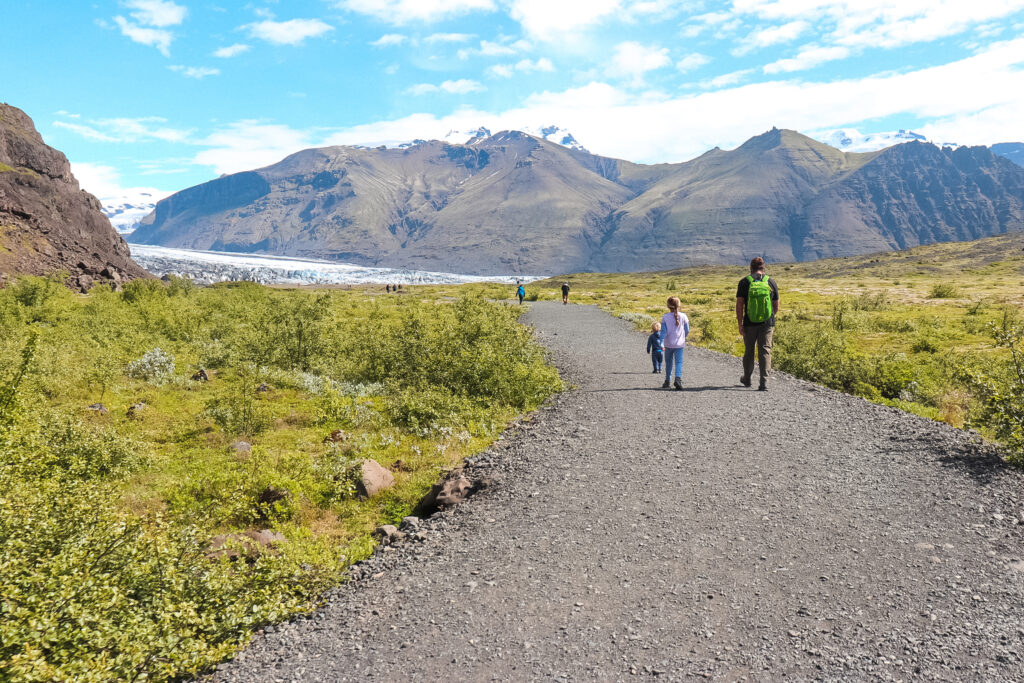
633,531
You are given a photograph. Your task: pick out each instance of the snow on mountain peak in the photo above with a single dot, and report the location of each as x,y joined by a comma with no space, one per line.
852,140
131,206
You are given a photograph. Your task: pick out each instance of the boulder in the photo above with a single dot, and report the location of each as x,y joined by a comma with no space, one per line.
373,478
200,376
388,534
136,409
263,387
454,488
98,408
241,447
247,545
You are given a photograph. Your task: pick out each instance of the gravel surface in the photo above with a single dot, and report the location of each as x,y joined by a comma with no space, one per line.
633,531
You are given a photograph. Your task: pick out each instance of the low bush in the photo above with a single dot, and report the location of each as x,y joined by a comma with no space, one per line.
944,290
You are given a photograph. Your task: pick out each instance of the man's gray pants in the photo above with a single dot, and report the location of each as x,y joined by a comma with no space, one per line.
759,336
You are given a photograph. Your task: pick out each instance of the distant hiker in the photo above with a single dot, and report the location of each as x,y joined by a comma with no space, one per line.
675,328
388,288
521,293
565,293
757,302
655,348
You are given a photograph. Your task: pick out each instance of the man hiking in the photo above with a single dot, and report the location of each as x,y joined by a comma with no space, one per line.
565,293
521,293
757,302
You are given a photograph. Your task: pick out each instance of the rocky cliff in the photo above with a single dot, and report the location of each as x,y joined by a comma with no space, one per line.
46,222
513,203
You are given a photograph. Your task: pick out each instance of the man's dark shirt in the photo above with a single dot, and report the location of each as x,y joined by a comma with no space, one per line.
565,290
744,288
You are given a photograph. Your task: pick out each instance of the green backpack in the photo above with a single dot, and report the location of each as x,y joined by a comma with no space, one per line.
759,300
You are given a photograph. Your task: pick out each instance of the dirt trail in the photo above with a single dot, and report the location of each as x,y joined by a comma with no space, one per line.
635,531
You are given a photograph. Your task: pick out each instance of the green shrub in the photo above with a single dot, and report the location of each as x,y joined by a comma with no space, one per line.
944,290
1001,389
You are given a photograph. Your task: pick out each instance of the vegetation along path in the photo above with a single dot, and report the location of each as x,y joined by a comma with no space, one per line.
716,532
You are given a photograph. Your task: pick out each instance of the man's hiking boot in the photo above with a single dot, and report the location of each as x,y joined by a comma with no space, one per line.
678,384
666,385
762,387
745,382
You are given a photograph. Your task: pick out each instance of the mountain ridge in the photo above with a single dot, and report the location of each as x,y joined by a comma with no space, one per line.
515,203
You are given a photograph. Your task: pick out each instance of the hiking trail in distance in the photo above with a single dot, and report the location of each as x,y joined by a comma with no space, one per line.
716,532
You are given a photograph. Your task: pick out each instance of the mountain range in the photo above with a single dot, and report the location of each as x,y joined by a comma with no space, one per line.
515,203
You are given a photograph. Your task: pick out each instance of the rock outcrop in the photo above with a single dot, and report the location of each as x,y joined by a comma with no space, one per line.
46,222
516,204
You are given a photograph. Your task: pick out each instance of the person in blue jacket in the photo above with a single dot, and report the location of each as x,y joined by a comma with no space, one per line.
655,348
521,293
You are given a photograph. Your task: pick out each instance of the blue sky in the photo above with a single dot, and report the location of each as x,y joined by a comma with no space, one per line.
170,93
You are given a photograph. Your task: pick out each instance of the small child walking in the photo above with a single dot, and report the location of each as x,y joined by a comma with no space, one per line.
654,347
675,328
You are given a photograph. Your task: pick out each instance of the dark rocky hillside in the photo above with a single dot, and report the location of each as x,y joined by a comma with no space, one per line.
512,203
46,222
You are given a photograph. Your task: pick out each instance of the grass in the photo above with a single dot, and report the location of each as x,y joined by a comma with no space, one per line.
105,518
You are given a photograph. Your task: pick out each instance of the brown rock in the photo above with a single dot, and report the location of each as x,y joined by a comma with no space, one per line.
454,488
336,436
48,222
247,545
374,478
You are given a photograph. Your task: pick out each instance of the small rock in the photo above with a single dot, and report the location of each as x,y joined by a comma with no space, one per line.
248,544
98,408
410,522
263,387
337,436
374,478
135,409
241,447
201,376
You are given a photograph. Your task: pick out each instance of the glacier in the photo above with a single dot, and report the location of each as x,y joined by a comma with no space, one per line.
208,267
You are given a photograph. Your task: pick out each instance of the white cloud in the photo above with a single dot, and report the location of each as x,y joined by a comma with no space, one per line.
522,66
727,79
127,130
501,70
632,60
87,132
153,37
489,48
231,50
809,56
772,35
390,40
883,23
157,13
197,72
461,86
542,64
410,11
249,144
291,32
692,61
447,38
554,19
105,182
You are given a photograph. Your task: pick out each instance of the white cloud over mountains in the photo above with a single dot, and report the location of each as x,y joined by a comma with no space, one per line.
959,96
453,87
